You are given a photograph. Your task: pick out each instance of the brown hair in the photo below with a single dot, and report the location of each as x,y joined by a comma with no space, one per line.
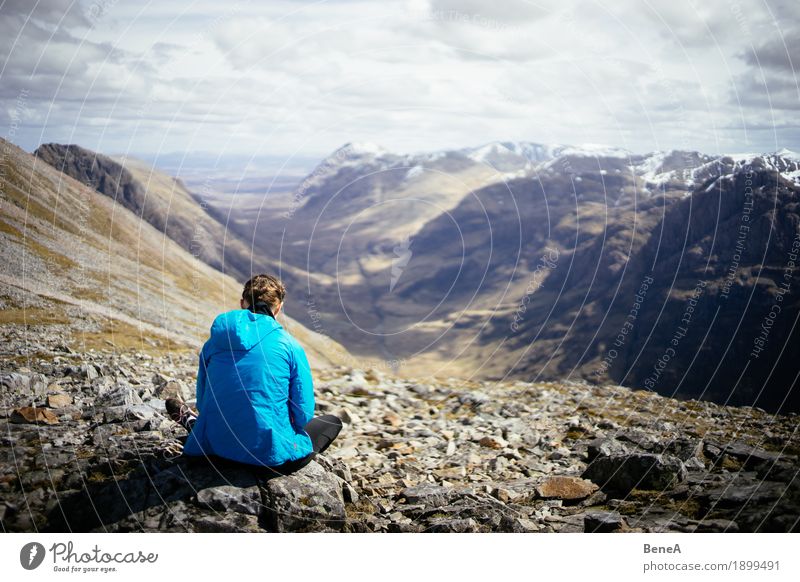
266,289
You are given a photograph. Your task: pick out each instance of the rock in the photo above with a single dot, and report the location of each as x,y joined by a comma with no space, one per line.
392,419
521,525
228,522
447,525
605,447
231,498
33,415
622,473
474,399
59,400
119,395
429,495
348,416
566,488
491,442
603,522
173,389
308,500
129,412
84,372
32,385
748,455
684,448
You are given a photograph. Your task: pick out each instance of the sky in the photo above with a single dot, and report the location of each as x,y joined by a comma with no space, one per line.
293,78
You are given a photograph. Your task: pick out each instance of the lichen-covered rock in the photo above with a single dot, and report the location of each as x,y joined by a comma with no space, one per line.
307,500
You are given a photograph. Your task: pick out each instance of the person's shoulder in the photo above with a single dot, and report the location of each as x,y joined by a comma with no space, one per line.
225,318
288,340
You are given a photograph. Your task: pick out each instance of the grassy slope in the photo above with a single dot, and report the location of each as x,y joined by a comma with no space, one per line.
73,258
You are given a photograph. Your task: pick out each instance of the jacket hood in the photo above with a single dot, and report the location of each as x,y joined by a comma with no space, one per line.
241,329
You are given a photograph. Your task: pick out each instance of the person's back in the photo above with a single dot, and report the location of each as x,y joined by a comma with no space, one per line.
255,395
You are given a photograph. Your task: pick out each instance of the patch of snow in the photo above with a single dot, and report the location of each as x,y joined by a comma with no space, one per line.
788,154
592,150
365,148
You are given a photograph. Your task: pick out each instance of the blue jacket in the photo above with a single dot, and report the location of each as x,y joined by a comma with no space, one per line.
254,393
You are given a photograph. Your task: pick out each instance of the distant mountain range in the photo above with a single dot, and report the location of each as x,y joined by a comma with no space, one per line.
670,271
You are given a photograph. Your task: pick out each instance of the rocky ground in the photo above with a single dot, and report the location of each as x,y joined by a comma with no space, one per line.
86,446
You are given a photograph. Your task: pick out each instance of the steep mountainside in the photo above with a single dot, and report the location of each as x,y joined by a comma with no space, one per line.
79,265
162,202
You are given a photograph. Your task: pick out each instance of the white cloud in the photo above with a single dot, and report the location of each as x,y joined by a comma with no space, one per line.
411,75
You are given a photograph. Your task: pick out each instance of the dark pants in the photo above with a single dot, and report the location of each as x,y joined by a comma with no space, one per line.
322,430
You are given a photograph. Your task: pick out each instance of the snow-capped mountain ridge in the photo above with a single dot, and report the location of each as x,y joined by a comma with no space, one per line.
653,171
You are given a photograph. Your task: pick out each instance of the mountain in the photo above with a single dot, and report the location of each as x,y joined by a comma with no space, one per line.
524,260
81,271
161,201
102,315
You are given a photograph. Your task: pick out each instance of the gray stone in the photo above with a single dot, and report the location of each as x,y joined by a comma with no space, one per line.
605,447
428,494
229,522
603,522
684,448
129,412
448,525
622,473
84,372
173,389
32,385
750,456
231,498
120,395
307,500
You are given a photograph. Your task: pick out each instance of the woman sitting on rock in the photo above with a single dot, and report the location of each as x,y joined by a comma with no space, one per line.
255,394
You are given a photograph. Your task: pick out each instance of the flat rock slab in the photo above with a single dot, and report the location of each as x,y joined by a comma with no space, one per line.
59,400
33,415
566,488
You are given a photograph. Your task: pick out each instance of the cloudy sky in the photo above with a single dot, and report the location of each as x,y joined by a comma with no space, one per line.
297,77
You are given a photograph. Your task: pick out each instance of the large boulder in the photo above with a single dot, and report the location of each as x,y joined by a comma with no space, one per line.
620,473
205,495
307,500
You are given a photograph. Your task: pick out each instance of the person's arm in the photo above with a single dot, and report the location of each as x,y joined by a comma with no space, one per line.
301,388
200,389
